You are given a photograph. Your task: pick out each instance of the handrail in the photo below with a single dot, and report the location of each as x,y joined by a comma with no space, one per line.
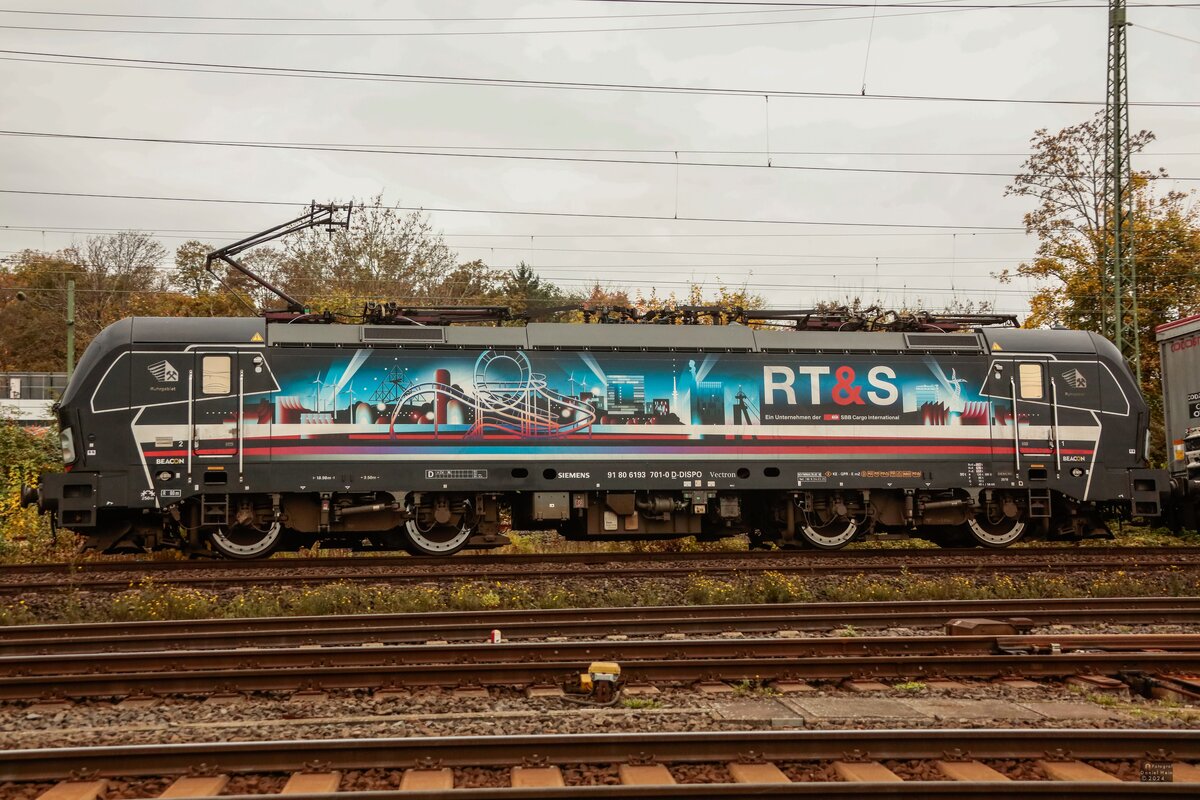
1016,426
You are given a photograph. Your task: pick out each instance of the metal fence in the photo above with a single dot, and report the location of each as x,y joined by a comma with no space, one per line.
32,385
27,397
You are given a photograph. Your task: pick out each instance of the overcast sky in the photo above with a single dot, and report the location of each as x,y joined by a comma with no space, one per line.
1040,53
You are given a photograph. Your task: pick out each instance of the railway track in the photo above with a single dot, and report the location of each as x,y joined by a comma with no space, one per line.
978,763
117,574
525,664
448,649
412,628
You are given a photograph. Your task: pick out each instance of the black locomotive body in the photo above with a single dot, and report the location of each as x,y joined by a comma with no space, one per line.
243,436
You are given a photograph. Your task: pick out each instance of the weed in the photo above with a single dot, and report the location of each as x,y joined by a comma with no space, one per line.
847,632
754,687
641,702
911,687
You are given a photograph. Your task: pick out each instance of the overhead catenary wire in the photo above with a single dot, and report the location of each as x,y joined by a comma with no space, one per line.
942,7
512,212
780,8
585,283
78,59
927,4
1166,33
573,235
460,153
357,19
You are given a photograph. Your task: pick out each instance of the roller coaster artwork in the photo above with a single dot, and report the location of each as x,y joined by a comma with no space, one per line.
521,406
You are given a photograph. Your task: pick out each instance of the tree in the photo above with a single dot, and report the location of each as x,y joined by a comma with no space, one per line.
114,270
383,255
523,290
115,276
1064,175
33,311
233,294
111,275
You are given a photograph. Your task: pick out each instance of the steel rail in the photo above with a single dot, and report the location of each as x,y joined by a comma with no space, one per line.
42,764
980,791
178,677
127,563
399,628
299,572
990,791
629,653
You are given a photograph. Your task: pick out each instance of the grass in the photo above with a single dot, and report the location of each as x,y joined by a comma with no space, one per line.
27,540
640,703
910,687
755,688
151,600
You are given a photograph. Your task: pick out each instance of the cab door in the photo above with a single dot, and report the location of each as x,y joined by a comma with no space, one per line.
1025,383
216,420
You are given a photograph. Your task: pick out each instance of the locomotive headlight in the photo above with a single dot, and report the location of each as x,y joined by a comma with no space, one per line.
67,440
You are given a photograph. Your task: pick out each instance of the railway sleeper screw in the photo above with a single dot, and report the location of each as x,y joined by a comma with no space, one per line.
1058,754
957,754
751,757
856,755
203,770
428,762
317,766
83,774
535,760
641,759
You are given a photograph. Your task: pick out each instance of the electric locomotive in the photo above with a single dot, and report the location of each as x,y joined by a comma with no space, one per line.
240,436
244,435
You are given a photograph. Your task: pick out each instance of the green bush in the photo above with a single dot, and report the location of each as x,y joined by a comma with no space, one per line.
24,454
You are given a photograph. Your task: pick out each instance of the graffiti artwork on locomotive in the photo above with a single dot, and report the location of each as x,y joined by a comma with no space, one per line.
244,436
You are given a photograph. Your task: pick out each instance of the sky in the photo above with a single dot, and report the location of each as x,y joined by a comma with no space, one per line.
788,221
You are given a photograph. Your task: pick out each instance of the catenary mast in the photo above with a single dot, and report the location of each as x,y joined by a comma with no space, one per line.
1120,270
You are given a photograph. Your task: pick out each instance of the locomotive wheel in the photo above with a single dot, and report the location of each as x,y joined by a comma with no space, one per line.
832,535
437,540
996,534
243,541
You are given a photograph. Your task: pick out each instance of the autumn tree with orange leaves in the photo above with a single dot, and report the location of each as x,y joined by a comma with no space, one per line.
1064,175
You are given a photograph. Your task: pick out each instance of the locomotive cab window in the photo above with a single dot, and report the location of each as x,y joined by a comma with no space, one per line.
1029,377
216,374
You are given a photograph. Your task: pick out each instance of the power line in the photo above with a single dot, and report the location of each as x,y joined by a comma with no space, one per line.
290,146
207,18
1166,33
525,236
516,83
881,5
572,214
583,282
651,150
938,8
